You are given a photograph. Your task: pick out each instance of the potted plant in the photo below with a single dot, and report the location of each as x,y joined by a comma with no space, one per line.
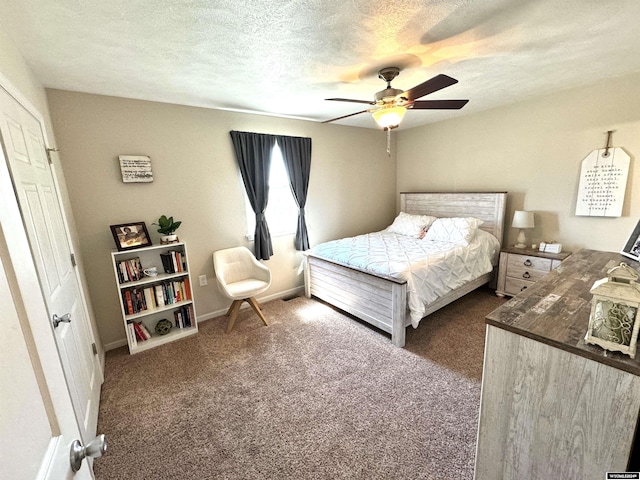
167,228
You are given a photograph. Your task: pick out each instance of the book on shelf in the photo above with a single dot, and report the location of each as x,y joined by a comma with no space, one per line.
178,289
131,334
167,289
191,314
159,295
141,335
145,330
138,300
134,301
128,302
129,270
184,317
173,262
177,315
121,273
149,298
168,293
167,262
179,261
137,331
187,288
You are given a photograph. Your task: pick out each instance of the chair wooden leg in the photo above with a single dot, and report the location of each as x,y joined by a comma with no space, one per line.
231,307
233,312
256,307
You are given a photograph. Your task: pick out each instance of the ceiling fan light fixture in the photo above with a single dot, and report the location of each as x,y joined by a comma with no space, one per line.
389,116
391,104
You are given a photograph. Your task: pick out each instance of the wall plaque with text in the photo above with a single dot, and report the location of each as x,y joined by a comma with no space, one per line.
603,180
135,168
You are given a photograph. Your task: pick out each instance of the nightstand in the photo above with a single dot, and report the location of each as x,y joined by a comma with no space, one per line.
522,267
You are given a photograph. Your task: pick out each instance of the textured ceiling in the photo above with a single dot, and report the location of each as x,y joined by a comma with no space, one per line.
284,57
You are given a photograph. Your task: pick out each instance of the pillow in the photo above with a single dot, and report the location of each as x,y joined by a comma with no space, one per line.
453,230
411,225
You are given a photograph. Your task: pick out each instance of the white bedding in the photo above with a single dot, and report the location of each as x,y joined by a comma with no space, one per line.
431,268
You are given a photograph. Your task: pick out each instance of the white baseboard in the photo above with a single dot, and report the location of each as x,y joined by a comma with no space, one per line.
208,316
113,345
268,298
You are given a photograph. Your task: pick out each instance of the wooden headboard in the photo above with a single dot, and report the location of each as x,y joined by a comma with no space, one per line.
489,207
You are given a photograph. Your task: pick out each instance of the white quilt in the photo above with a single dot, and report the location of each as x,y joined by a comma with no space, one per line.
431,268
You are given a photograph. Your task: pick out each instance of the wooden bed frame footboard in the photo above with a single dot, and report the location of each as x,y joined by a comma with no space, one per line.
382,300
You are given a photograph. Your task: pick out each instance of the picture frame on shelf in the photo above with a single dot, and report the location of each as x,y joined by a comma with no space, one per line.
129,236
632,247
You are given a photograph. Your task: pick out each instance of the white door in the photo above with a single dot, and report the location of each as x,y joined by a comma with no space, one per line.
37,432
37,419
23,143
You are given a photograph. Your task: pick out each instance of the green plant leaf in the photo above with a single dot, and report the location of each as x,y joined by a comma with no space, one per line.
166,225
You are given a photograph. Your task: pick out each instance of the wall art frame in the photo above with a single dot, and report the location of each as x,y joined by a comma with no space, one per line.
632,247
129,236
136,168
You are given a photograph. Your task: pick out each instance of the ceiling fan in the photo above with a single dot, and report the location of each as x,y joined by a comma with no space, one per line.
390,104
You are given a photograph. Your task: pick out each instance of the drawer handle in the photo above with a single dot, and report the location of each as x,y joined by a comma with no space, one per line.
526,275
523,288
527,263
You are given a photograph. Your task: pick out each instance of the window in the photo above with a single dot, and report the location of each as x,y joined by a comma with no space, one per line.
282,210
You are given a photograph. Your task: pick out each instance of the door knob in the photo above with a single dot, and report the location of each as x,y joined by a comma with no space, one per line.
66,318
96,448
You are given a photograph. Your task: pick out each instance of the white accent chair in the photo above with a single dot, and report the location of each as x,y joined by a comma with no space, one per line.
241,277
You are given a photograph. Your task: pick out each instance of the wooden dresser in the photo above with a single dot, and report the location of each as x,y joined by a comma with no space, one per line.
553,406
522,267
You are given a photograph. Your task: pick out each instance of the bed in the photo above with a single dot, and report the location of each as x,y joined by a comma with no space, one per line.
382,300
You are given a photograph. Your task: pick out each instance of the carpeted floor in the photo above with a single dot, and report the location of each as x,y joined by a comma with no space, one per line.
316,395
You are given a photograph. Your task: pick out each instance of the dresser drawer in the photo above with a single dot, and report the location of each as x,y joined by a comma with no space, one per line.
525,273
514,286
528,262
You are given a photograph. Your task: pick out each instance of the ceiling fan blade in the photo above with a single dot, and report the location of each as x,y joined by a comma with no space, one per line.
432,85
439,104
345,116
351,100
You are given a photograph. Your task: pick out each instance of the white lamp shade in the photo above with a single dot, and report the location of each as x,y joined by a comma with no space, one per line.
389,116
522,219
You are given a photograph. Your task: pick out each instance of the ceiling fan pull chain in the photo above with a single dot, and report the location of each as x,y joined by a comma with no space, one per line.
388,141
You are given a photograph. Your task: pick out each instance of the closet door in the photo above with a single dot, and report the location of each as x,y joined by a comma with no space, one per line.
43,221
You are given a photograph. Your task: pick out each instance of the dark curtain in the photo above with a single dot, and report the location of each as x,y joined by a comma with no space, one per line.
296,152
253,153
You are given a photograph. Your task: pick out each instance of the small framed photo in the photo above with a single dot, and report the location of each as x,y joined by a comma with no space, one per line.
130,235
632,248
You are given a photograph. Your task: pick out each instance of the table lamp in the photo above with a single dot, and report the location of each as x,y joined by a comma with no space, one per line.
522,220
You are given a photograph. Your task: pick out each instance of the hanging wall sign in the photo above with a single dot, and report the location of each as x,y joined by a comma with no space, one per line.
603,180
135,168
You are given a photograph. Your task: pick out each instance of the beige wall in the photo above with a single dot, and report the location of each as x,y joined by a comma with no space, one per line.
534,150
352,187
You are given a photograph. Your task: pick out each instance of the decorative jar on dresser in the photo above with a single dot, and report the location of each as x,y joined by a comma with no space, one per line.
522,267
